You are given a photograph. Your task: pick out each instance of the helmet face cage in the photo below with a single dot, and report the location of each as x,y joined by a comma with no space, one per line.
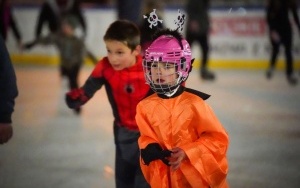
163,77
166,64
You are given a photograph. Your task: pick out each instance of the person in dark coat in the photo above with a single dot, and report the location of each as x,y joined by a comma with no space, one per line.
9,91
129,10
198,28
280,32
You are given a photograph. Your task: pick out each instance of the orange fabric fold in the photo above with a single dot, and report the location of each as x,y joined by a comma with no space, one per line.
189,123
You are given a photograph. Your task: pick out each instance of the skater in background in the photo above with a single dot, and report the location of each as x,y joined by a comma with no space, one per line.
121,73
198,28
182,142
129,10
8,94
280,32
8,21
52,12
71,48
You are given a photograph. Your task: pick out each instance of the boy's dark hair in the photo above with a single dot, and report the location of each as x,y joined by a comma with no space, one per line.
124,31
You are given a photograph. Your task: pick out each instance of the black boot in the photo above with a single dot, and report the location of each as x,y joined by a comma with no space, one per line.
207,75
292,80
77,111
269,73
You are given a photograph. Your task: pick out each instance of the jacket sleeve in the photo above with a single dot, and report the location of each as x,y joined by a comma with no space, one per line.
95,81
207,155
8,85
42,18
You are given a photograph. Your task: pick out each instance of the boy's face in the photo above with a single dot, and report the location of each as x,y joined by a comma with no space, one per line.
163,73
119,55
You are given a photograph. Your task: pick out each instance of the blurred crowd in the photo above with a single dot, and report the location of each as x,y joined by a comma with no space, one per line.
198,23
169,2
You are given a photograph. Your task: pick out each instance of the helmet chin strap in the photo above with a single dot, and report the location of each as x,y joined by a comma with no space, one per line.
171,93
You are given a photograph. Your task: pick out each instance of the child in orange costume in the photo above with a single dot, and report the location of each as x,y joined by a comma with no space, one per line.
182,142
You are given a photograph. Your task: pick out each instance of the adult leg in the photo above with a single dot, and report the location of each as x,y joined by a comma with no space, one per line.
274,53
287,42
72,75
63,75
205,73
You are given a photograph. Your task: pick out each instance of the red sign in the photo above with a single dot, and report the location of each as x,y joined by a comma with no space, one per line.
238,26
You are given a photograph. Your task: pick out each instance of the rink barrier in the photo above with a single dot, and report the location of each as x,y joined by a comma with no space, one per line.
238,38
213,63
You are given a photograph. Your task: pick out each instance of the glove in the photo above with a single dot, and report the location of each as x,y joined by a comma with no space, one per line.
75,98
153,152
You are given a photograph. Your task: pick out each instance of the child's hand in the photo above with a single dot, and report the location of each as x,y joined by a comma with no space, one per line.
75,98
177,156
6,132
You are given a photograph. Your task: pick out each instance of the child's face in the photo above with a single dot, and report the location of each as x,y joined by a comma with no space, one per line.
163,73
119,55
67,29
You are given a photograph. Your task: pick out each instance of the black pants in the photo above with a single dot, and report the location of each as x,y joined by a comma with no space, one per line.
71,74
286,41
203,42
128,173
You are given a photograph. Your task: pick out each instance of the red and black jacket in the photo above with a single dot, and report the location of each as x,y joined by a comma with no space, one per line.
124,89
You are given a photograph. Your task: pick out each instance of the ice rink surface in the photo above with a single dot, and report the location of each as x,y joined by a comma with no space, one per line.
53,147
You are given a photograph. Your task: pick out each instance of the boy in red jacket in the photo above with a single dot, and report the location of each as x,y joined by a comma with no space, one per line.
121,73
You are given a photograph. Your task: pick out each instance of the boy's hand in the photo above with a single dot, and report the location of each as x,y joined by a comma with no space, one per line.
6,132
76,98
177,156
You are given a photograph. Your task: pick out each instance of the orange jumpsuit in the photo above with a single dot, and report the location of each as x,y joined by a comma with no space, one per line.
187,122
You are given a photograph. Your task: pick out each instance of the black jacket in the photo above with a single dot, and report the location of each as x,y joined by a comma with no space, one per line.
8,85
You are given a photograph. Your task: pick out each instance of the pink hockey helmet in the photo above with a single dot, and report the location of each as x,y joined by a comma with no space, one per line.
168,49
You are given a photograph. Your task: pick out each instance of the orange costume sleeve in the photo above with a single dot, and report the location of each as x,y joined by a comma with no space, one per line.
189,123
